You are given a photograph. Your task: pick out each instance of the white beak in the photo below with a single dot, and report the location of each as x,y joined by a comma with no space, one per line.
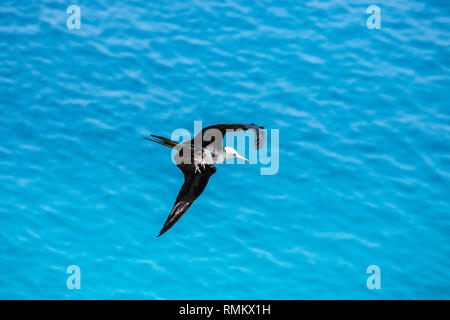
242,158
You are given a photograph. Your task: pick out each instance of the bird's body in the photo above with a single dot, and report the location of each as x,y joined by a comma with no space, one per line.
196,159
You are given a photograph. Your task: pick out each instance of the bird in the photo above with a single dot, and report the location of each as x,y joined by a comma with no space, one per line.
196,159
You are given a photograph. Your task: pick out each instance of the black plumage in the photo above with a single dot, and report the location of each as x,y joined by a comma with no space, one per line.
193,186
196,175
260,135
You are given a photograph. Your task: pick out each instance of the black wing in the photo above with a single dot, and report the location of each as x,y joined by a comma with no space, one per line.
193,186
260,134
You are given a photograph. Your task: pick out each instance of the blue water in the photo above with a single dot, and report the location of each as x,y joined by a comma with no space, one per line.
364,157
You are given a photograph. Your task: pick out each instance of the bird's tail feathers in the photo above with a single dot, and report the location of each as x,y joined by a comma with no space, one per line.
163,141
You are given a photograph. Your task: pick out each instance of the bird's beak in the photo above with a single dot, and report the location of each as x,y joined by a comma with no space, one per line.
242,158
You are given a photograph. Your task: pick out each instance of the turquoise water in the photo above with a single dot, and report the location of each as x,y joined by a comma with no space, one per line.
363,119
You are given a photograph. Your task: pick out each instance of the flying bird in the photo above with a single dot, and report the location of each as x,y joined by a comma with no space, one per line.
196,159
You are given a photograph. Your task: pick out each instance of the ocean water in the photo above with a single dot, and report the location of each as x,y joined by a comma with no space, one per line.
364,149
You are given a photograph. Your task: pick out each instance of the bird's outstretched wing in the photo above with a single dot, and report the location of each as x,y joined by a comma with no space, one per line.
194,184
210,132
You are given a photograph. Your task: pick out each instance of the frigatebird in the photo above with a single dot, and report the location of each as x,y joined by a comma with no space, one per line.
196,159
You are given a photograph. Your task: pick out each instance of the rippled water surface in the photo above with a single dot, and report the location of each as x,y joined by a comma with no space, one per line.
363,119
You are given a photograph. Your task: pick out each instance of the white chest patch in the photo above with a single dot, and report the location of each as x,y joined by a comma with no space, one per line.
209,156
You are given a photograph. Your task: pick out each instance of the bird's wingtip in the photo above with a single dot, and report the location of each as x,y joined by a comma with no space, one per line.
160,233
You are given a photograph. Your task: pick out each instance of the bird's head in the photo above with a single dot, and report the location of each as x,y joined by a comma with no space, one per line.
231,153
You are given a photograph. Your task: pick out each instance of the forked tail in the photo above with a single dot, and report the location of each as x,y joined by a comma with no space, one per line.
162,141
